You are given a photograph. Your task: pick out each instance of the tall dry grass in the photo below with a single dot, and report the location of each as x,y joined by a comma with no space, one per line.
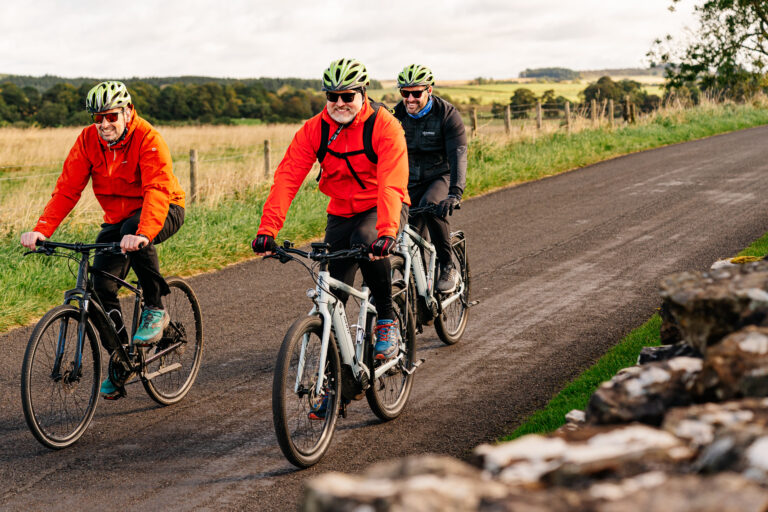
230,160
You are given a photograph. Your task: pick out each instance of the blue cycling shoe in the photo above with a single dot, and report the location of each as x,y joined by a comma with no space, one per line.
387,336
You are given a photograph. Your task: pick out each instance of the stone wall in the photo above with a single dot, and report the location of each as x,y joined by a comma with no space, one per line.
684,430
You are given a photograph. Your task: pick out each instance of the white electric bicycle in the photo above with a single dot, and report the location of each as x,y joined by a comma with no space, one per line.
417,277
324,362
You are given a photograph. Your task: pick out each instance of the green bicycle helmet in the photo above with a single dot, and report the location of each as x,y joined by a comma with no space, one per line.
415,74
345,74
106,96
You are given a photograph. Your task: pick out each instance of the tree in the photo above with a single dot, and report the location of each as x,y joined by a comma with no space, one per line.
522,100
728,54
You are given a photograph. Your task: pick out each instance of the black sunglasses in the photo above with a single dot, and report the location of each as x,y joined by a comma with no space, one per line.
415,94
346,97
110,117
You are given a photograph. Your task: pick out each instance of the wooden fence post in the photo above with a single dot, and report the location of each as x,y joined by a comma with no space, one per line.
632,113
610,112
267,165
474,121
192,175
538,115
568,116
626,108
593,111
507,120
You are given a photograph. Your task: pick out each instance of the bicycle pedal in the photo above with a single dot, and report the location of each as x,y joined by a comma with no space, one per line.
414,367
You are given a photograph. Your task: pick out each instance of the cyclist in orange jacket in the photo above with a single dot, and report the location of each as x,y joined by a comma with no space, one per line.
364,170
143,203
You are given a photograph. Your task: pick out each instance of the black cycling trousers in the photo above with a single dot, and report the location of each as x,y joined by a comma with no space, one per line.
144,262
345,232
432,193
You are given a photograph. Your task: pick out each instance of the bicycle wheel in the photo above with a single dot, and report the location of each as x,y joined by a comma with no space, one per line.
169,375
389,393
452,321
59,407
303,440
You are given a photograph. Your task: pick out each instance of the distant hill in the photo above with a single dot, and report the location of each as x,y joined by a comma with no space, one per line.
597,73
45,82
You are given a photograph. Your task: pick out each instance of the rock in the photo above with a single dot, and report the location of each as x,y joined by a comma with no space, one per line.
666,352
644,393
708,306
428,483
669,332
572,458
735,367
727,492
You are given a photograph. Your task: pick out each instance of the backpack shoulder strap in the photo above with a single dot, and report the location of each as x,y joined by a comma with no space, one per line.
368,133
325,129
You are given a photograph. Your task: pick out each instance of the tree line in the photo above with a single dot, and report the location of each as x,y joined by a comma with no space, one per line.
186,99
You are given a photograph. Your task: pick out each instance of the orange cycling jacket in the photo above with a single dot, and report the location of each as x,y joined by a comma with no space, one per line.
386,182
134,173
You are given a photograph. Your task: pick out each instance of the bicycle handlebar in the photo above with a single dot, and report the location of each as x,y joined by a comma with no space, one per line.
47,247
430,208
284,254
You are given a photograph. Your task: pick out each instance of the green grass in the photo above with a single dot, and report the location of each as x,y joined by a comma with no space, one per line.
214,237
501,92
576,394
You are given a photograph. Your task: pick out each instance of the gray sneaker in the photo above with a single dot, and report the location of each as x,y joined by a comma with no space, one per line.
449,279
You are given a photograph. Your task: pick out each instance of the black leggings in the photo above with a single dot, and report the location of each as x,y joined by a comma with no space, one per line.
144,261
432,193
345,232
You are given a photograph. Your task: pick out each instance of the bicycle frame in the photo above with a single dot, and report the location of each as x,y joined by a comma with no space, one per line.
92,310
334,316
409,243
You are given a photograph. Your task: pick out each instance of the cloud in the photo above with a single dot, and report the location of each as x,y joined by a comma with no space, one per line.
243,38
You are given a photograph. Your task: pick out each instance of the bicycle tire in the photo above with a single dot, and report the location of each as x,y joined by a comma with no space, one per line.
186,326
388,395
304,441
45,399
452,320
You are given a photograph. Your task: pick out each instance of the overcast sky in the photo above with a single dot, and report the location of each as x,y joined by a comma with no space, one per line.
281,38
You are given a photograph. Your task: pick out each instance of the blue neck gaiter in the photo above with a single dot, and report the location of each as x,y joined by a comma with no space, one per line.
423,111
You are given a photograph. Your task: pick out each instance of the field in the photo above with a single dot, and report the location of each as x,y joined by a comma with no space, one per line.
230,161
461,91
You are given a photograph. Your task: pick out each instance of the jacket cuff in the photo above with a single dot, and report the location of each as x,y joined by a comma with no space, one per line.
455,191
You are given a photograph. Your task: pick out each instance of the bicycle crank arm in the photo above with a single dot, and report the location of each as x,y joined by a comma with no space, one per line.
381,370
161,371
415,367
162,353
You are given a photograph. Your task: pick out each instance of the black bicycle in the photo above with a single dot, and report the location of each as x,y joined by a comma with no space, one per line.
61,373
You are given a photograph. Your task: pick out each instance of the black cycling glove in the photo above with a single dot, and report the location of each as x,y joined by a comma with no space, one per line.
383,246
447,205
263,243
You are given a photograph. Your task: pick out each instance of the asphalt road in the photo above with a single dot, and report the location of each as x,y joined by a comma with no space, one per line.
562,267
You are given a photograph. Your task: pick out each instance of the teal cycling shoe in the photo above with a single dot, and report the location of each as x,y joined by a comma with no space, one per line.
151,326
109,390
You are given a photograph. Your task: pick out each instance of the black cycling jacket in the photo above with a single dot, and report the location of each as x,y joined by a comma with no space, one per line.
437,145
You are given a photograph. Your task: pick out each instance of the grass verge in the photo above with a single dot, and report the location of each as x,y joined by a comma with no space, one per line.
576,394
216,235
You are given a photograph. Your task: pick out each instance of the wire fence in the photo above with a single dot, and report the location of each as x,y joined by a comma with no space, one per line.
211,177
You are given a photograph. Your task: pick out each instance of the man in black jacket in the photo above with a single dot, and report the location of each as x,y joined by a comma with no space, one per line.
437,160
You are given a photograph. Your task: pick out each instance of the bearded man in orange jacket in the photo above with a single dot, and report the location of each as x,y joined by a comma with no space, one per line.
143,204
364,170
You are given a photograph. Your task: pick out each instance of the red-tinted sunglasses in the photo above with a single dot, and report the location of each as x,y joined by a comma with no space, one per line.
110,117
415,94
346,97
